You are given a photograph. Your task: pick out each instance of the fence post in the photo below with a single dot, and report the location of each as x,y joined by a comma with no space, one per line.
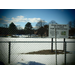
9,51
64,51
51,44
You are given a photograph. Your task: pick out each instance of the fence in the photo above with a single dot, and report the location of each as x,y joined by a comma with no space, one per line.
10,45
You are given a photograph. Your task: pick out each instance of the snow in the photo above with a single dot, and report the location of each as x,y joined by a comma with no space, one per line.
18,48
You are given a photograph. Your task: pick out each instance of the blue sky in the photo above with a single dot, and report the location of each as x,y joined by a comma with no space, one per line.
22,16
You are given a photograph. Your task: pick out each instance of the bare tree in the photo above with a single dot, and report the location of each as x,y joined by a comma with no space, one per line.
74,23
52,22
19,27
70,24
5,25
41,23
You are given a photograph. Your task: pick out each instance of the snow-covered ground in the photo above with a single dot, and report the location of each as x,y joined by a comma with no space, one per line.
17,48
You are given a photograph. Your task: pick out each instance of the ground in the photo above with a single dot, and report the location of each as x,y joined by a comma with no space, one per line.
46,52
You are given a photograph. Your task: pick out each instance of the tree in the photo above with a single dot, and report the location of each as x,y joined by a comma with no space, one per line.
41,24
41,31
5,25
70,24
74,23
12,28
46,28
72,28
3,31
52,22
28,28
19,27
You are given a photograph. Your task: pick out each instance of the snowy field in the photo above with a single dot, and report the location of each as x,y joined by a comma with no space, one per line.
18,48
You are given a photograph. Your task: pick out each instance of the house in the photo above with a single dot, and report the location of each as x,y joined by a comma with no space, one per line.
37,30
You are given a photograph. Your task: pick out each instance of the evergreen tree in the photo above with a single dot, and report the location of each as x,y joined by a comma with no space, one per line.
28,28
12,28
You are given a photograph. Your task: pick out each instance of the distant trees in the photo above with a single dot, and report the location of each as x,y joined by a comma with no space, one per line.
46,28
3,31
41,23
72,32
5,25
72,28
71,24
28,28
41,29
12,28
52,22
74,23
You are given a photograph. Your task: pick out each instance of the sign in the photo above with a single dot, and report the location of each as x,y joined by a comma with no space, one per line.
62,30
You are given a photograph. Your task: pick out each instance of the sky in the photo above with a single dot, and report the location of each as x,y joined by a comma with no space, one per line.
21,16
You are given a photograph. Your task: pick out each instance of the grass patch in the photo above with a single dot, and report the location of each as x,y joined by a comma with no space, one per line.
46,52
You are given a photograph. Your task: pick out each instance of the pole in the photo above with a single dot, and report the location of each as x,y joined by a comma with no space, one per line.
64,51
9,52
52,45
64,45
56,45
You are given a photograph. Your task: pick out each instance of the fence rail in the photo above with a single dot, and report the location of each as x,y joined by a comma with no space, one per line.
36,41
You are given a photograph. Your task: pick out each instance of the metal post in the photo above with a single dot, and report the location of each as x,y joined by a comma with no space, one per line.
52,44
9,52
64,45
56,45
64,51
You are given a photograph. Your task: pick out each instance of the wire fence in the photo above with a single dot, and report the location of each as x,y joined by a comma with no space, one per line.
12,52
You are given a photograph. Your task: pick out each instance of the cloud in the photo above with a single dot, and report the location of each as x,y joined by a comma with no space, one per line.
23,19
33,19
4,20
18,19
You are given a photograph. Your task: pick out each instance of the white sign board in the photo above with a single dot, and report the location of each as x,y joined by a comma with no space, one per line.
62,30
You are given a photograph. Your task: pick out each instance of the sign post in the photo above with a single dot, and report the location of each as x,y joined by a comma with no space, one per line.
58,31
56,44
52,44
64,51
